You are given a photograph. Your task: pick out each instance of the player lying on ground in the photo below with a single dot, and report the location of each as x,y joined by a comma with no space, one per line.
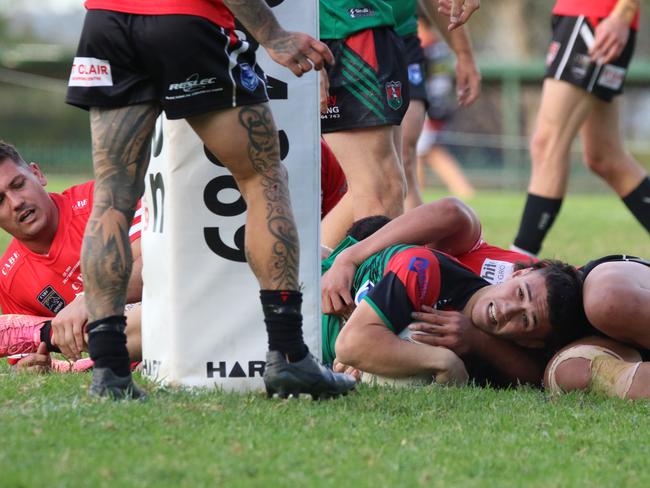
395,282
41,273
454,227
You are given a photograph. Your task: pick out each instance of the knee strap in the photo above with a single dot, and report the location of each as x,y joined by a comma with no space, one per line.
577,352
611,376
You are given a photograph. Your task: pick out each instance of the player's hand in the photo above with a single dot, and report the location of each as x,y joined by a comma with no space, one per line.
444,328
298,51
458,11
68,328
468,81
339,367
336,297
610,40
37,362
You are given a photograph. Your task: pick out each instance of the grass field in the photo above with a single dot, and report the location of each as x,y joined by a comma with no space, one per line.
53,435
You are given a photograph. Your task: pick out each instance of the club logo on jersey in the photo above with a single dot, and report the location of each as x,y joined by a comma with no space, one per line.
9,263
496,271
359,12
419,266
394,94
363,291
612,77
249,78
90,72
50,299
553,49
80,204
415,73
580,66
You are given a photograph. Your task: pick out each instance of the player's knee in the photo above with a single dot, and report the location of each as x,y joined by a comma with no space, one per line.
538,145
260,179
599,162
569,374
348,346
393,188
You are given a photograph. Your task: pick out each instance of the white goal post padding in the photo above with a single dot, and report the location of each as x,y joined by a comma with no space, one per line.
202,320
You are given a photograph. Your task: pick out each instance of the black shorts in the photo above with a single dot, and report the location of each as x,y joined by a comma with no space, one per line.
368,83
187,64
568,58
416,66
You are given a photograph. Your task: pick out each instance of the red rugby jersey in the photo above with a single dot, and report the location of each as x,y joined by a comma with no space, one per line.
213,10
37,284
492,263
333,184
593,9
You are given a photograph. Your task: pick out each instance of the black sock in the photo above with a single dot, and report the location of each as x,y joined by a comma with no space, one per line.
46,337
638,201
539,215
283,320
107,344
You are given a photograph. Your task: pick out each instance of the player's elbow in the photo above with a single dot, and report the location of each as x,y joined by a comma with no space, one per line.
450,369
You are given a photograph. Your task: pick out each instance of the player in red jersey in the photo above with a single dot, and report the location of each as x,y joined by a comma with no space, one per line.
332,181
137,58
586,65
39,271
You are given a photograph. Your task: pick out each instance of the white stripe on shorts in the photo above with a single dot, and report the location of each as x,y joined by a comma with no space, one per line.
569,47
232,62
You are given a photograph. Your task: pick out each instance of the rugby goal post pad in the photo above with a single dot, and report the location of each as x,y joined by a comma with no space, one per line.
202,321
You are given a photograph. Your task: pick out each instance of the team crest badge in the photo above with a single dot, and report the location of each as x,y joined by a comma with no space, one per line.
249,78
51,300
394,94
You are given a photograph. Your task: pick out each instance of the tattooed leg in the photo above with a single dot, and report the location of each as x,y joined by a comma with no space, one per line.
245,140
121,142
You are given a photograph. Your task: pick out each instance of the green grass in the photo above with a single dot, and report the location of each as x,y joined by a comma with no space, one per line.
377,437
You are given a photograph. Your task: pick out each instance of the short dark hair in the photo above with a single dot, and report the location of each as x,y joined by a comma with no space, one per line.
7,151
367,226
564,296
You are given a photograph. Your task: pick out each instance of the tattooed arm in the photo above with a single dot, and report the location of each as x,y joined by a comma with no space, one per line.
297,51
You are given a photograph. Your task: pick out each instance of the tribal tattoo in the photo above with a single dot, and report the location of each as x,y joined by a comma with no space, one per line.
264,155
121,141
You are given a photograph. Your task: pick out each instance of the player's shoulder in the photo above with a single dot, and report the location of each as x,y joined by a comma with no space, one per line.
79,197
495,252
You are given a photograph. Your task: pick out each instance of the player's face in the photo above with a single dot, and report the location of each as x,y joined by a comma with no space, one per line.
25,206
515,310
